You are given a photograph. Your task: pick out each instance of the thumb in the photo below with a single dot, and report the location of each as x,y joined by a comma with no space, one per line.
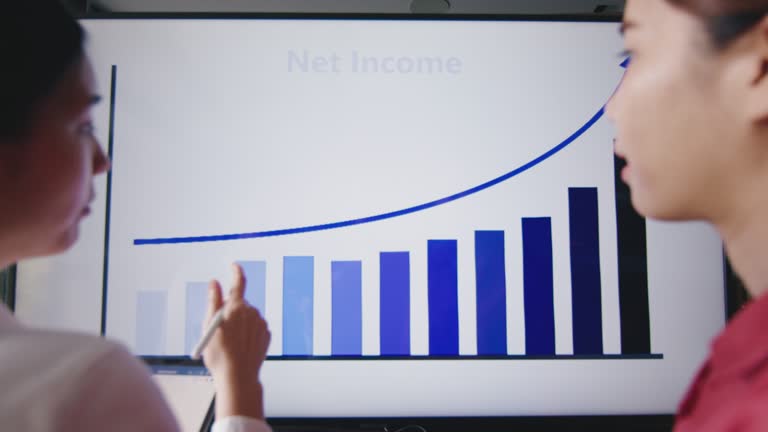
215,300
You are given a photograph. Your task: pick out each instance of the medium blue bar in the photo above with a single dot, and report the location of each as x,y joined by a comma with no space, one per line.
298,305
443,297
395,294
491,293
151,322
197,293
538,286
585,272
255,283
347,308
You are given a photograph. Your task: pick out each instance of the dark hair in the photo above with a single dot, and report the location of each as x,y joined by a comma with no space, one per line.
726,20
39,42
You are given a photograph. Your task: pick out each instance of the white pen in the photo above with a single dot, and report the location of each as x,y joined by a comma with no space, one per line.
218,318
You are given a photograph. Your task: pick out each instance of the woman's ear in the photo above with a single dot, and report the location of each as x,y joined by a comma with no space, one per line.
756,62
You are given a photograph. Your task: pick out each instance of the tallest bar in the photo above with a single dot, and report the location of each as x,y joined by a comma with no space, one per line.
633,271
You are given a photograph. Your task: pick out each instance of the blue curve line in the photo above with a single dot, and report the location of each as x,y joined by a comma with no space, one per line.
380,217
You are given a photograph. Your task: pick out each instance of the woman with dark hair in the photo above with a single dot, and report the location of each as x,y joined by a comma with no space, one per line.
692,120
57,381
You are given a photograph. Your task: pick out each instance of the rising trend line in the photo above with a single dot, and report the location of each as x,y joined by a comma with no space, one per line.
390,215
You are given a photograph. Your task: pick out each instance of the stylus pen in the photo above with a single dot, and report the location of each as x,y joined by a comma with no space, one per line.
218,318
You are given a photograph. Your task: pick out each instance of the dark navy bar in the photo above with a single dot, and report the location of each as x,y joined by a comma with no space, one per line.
443,297
585,272
538,286
633,271
491,293
395,294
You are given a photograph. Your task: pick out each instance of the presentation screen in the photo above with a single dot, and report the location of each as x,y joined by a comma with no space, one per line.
429,214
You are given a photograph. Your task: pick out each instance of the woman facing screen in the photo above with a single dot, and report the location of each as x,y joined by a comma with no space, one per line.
58,381
692,120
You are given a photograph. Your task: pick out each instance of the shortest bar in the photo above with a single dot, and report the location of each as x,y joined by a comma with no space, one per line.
151,319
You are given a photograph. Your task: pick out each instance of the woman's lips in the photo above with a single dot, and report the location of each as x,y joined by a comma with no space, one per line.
625,173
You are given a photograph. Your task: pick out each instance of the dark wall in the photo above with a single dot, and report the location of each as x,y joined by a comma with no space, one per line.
77,6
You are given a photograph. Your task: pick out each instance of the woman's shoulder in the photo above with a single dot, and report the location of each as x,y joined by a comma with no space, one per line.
42,346
66,378
37,359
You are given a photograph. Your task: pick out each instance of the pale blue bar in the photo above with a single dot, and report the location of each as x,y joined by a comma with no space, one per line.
255,283
298,305
197,293
151,322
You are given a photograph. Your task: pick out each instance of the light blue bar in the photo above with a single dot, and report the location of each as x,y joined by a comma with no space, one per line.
255,283
347,317
151,322
197,293
298,305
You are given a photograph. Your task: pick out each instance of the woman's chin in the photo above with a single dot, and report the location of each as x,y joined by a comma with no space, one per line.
65,240
659,209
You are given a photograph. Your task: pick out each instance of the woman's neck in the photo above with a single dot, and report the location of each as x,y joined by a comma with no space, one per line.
746,242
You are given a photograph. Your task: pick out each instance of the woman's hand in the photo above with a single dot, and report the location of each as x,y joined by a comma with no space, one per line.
236,351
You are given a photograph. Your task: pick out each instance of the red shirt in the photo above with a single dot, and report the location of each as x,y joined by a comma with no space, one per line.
730,393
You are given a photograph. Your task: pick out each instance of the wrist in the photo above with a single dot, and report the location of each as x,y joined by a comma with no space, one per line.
239,397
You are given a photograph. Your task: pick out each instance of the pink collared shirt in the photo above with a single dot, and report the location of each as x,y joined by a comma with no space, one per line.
61,381
730,393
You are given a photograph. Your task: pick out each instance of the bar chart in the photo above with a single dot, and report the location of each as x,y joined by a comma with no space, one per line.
491,267
480,239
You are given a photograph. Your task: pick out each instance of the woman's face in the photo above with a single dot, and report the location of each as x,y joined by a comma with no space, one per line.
46,176
684,122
